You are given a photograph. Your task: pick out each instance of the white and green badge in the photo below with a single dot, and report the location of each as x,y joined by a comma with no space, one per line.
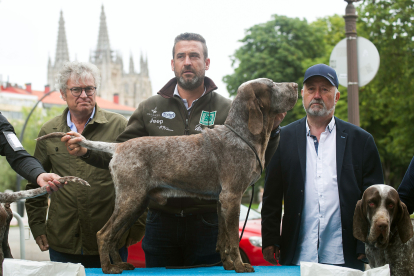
208,118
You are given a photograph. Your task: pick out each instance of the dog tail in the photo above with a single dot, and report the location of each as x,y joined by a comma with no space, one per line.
92,145
12,197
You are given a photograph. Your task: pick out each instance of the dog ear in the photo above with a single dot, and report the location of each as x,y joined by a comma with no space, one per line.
255,124
360,223
405,228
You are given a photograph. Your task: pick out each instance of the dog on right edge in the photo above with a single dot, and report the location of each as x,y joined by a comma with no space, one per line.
383,223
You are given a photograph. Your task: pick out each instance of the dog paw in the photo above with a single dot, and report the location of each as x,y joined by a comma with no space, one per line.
228,265
126,266
112,269
244,268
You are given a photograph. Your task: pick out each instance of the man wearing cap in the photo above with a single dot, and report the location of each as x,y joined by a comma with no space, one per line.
320,170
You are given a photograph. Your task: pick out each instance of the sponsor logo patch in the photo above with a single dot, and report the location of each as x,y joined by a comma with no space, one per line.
168,114
165,128
198,128
208,118
152,121
153,113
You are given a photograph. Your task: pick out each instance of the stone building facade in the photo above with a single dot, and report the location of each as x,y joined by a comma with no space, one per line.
126,88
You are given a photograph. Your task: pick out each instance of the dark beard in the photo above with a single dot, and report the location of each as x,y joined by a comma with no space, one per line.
190,84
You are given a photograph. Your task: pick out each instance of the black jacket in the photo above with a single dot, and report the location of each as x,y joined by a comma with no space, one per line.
406,189
358,167
21,161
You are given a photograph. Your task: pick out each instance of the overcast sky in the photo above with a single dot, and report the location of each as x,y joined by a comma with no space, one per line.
28,31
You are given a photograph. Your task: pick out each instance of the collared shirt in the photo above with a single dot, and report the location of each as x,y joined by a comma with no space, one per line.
320,235
72,126
184,100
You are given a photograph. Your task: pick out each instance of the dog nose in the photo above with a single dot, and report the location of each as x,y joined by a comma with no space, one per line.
294,85
382,226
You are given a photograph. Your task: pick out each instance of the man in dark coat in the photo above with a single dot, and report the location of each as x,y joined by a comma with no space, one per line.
320,170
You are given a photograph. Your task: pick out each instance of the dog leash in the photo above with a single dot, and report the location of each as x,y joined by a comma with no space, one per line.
248,210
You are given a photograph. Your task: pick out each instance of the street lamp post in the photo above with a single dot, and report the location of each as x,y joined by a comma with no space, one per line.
20,204
351,36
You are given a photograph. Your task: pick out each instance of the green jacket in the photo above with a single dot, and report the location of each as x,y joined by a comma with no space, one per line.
77,212
166,115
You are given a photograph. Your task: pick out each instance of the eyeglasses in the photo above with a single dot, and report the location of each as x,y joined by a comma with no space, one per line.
77,91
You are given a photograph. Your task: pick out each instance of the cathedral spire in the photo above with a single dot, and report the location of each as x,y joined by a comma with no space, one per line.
131,64
103,48
62,53
144,65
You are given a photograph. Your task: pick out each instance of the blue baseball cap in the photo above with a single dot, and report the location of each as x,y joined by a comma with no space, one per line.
322,70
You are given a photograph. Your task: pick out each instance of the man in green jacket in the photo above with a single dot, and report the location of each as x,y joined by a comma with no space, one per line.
184,231
78,212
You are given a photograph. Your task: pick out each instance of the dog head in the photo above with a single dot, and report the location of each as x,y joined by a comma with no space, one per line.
266,98
379,214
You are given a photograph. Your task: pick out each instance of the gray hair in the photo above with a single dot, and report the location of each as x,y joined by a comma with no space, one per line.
190,37
77,72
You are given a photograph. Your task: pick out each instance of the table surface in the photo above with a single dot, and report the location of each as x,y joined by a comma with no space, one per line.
204,271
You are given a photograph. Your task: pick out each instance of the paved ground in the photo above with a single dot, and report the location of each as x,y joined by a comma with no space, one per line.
32,251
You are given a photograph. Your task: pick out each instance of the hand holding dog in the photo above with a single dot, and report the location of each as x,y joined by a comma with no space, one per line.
50,180
72,143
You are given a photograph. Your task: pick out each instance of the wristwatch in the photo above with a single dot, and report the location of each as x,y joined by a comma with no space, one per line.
86,155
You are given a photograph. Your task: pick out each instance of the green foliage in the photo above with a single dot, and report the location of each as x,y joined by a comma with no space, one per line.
283,48
37,119
387,103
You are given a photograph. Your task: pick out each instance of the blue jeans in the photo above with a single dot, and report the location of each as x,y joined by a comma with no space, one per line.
172,240
88,261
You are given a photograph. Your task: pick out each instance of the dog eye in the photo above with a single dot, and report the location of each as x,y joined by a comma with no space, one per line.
371,204
390,206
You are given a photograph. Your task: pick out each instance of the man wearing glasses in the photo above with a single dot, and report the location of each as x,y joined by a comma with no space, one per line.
77,213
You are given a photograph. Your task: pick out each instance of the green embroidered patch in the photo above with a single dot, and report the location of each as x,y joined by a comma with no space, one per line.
208,118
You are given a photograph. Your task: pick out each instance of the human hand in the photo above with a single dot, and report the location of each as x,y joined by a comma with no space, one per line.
51,181
42,242
278,120
270,253
72,144
361,256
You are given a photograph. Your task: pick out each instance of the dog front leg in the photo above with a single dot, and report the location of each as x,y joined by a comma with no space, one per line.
231,207
222,240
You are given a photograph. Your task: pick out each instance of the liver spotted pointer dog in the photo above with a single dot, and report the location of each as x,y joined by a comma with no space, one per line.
6,213
382,222
215,164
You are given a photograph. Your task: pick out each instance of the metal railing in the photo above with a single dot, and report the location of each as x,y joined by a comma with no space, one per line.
22,240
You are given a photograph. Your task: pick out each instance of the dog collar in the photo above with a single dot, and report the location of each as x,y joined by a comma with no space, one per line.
249,144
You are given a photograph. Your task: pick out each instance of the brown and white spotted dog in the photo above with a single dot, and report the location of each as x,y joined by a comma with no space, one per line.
383,223
6,213
215,164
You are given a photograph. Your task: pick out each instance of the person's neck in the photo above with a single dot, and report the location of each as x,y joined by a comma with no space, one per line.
191,95
80,119
318,124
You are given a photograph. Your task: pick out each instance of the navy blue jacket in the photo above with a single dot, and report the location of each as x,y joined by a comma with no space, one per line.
406,189
358,167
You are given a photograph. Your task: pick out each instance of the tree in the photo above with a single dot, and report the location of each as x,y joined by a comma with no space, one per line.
387,103
282,49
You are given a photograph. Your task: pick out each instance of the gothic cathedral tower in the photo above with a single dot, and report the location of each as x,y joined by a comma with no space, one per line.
131,87
62,54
